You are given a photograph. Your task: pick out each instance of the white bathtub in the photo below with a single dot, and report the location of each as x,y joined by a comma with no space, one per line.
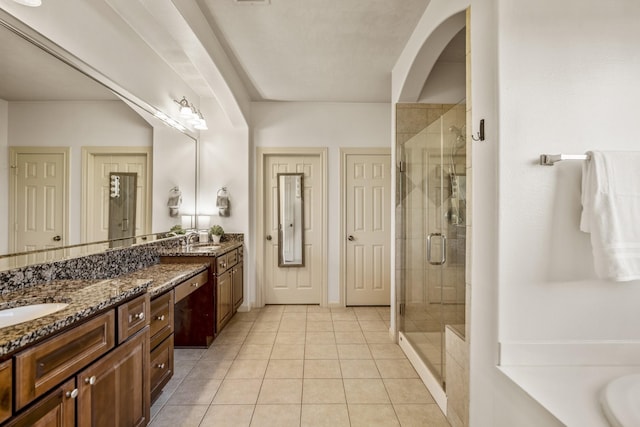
620,401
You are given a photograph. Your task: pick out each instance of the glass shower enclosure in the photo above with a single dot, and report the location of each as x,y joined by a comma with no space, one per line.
431,228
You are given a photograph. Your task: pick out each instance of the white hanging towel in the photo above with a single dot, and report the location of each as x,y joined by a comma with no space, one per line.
611,212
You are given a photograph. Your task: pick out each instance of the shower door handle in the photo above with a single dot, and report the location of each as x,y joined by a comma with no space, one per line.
443,248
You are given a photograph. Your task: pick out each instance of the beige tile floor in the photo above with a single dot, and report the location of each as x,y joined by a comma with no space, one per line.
298,366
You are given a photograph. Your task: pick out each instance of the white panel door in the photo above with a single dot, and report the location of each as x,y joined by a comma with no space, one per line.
294,285
367,263
39,200
100,165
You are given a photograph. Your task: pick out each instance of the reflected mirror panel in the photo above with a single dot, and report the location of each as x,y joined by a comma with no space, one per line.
290,220
54,118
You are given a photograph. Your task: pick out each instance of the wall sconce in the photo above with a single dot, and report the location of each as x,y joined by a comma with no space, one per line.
222,202
190,112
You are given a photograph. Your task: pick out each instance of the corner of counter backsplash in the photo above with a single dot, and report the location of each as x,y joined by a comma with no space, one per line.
103,265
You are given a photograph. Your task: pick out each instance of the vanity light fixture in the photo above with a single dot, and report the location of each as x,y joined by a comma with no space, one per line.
190,112
200,123
169,121
30,3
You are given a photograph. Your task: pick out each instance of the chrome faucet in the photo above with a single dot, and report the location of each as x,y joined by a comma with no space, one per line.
189,238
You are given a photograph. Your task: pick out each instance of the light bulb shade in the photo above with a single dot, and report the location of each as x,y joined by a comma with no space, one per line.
201,125
30,3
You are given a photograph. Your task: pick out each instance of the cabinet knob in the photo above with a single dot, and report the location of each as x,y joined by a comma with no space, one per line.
160,318
160,366
91,380
72,394
139,316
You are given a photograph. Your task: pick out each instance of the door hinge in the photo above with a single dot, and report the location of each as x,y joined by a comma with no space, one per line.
15,169
402,308
402,166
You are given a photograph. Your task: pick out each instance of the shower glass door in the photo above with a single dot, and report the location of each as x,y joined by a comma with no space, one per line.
431,212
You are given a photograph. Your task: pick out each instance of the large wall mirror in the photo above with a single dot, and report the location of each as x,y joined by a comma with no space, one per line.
61,136
290,220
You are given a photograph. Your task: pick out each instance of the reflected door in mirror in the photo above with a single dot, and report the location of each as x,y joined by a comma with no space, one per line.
290,219
38,197
122,206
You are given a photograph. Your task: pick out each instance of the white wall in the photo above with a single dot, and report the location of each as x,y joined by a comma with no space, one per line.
445,85
568,83
565,82
4,173
225,162
174,164
75,124
332,125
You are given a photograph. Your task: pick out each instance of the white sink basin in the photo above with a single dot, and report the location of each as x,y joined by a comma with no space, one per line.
13,316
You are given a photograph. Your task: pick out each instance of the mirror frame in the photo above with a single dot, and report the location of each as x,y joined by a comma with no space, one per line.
37,39
298,228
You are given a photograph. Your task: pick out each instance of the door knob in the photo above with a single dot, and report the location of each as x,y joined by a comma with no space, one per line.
351,238
57,238
269,237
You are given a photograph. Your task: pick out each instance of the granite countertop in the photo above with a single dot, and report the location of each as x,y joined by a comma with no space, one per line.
84,298
166,276
202,249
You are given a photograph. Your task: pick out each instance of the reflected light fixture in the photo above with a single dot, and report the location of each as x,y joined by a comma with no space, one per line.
30,3
192,114
200,122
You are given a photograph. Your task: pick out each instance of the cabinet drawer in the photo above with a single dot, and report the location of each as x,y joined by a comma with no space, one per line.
232,258
161,366
221,264
161,322
6,399
132,317
190,285
47,364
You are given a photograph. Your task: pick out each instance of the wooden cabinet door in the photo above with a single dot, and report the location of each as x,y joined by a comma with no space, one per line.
114,391
6,390
237,286
224,302
56,409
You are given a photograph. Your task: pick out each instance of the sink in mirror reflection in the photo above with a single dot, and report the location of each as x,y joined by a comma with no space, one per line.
207,248
25,313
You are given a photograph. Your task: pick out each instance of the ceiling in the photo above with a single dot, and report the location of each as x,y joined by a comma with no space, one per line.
314,50
282,50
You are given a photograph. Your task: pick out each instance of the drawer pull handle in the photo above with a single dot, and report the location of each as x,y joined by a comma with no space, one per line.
139,316
91,380
72,394
195,285
160,366
160,318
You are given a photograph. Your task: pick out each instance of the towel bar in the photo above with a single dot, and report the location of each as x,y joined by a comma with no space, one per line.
550,159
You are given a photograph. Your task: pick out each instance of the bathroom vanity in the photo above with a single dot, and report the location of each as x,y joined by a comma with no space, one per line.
110,343
226,271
